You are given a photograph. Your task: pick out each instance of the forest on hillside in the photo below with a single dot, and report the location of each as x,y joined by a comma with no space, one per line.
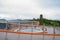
48,22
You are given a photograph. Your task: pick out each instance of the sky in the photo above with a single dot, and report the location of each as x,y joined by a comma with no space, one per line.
28,9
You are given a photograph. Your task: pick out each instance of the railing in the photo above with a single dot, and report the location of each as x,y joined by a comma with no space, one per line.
11,34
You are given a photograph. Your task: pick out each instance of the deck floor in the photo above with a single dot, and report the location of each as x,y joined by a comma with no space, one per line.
13,36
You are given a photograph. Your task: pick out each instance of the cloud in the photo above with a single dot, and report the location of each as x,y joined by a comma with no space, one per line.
20,7
30,9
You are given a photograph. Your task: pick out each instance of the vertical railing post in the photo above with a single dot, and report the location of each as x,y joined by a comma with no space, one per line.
31,30
54,32
18,31
43,30
6,29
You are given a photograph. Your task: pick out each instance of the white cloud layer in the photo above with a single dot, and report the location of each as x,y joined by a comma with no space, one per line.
27,9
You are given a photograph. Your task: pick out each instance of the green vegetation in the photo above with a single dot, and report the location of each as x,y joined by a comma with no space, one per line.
48,22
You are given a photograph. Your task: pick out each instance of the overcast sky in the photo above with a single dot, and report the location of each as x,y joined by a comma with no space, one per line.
28,9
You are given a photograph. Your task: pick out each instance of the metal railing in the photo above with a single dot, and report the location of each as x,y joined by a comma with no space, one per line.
31,38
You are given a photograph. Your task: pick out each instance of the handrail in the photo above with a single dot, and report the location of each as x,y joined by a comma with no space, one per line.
33,33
